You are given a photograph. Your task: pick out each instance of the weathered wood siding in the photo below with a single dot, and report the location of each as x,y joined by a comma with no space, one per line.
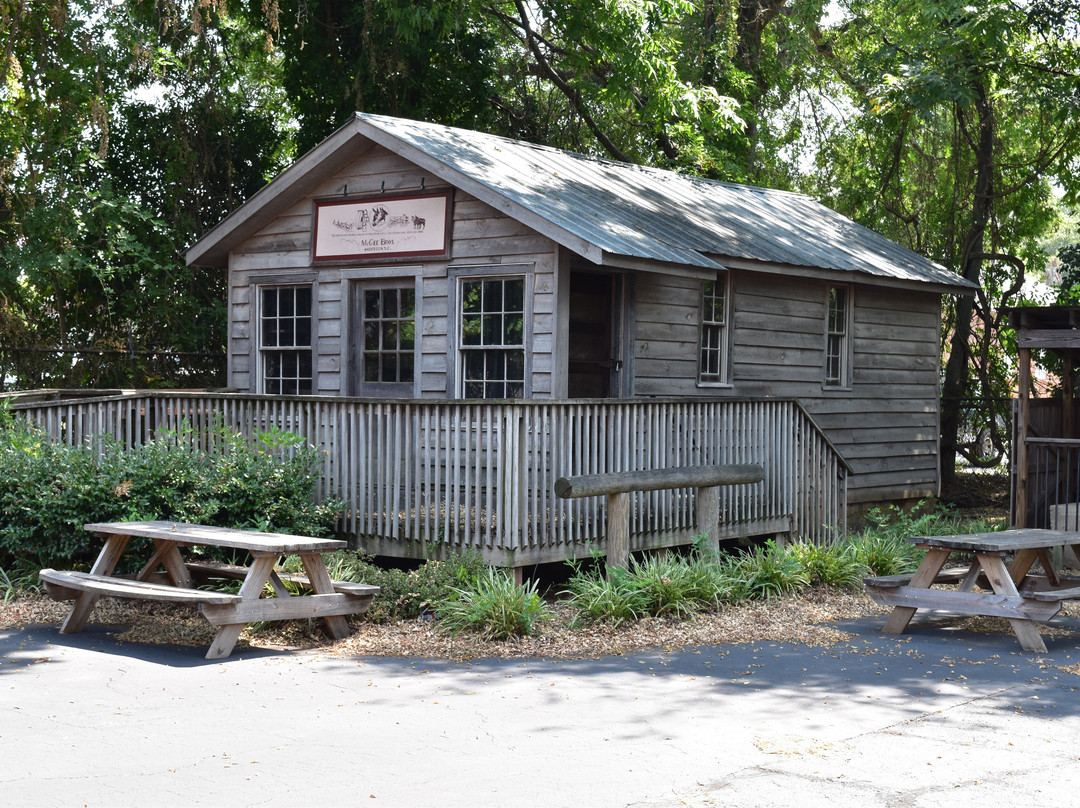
481,238
885,424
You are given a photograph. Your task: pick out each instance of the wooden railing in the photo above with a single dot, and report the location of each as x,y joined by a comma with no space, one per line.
421,476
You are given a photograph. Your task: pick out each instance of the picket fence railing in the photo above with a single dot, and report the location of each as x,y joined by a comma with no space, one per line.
423,476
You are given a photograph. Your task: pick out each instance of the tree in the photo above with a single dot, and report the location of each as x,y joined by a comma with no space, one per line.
961,117
124,133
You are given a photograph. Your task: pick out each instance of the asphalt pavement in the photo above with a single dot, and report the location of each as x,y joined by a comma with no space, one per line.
938,716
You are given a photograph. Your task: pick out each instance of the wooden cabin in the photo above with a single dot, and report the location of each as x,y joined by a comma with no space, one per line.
459,318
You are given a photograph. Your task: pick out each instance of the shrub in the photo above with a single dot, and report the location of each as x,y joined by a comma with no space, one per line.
50,490
495,606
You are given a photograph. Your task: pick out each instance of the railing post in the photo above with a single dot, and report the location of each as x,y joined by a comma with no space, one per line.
618,530
707,515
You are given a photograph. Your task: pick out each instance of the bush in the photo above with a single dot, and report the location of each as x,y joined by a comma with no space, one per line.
494,605
50,490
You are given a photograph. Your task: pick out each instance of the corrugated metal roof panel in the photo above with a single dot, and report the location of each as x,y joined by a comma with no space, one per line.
649,213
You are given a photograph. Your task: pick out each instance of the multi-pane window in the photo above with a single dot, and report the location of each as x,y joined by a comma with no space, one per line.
493,338
836,338
285,339
714,331
389,337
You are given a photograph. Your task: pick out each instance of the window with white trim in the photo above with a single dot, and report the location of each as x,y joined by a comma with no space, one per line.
285,340
837,372
492,337
388,339
713,368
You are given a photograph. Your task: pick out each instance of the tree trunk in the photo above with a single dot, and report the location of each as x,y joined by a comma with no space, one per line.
958,366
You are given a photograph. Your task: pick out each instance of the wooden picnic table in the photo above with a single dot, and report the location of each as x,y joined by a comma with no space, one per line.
1015,592
330,600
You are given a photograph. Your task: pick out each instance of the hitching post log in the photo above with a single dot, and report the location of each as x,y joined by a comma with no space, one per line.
618,485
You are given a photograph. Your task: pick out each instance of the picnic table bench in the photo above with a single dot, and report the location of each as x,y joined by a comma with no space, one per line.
330,600
1015,593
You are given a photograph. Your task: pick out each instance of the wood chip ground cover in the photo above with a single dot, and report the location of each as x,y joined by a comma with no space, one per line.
805,619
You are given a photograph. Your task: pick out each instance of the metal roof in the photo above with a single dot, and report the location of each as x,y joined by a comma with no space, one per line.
604,209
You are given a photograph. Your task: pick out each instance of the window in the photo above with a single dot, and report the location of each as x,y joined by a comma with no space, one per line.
285,339
492,340
388,329
836,338
714,332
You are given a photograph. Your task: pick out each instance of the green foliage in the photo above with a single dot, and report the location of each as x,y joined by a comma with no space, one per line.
766,572
406,594
598,598
50,490
829,565
495,606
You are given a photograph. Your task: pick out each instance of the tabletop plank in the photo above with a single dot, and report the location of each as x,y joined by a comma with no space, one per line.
1002,541
251,540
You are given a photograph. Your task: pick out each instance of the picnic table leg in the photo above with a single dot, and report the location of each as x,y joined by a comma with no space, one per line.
924,576
315,567
256,578
167,553
1026,631
84,603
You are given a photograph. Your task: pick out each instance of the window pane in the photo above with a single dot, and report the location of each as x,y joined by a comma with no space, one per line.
492,331
470,293
515,365
514,330
470,330
269,302
515,295
286,335
389,368
269,333
303,331
389,336
408,303
371,303
371,367
286,302
303,300
406,360
390,303
371,336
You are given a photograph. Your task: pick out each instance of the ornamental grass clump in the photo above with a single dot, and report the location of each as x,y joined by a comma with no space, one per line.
598,598
764,573
834,565
493,605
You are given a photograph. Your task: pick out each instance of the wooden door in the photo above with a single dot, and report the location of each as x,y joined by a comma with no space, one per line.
594,355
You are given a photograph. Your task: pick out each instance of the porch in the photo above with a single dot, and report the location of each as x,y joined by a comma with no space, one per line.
424,477
1046,431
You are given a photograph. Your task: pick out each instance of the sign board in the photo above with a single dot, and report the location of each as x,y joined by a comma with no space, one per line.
382,227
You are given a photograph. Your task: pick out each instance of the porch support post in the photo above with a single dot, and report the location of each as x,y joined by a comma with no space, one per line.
1023,414
1068,382
707,516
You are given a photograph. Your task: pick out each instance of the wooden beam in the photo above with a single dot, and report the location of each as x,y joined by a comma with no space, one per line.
621,482
1053,338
